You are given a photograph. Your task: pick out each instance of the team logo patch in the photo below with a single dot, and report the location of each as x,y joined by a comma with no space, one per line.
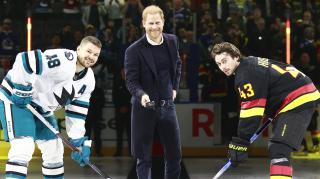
68,55
65,97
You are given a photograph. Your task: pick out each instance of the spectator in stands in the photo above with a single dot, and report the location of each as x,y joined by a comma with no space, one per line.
42,6
90,30
310,5
208,36
259,39
307,19
122,32
133,34
5,65
204,21
77,36
55,41
168,13
121,101
304,65
182,36
235,36
67,39
248,6
71,7
92,15
308,45
133,10
109,48
279,8
277,35
8,44
8,39
236,16
114,11
201,8
182,15
252,17
297,33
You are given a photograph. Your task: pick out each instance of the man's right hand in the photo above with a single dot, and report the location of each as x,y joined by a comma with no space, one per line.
144,99
238,150
82,156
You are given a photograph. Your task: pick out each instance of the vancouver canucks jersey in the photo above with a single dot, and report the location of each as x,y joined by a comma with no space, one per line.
76,111
49,73
268,87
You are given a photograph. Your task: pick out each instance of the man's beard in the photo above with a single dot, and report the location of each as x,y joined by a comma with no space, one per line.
82,62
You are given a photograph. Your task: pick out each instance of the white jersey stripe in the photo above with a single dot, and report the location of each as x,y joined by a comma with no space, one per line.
32,60
78,109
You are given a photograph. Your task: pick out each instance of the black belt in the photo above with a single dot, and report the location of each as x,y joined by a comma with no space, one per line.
160,103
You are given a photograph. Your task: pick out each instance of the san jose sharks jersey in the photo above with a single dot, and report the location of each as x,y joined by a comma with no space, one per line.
50,73
269,88
76,111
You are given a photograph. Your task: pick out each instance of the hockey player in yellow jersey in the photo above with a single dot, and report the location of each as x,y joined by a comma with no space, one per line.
47,81
271,89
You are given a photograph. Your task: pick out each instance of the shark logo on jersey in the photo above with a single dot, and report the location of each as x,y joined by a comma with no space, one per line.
66,97
68,55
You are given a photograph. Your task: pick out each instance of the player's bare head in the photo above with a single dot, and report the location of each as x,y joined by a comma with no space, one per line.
227,57
152,9
91,39
88,51
225,47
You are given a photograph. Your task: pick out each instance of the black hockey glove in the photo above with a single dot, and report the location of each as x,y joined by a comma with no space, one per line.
238,150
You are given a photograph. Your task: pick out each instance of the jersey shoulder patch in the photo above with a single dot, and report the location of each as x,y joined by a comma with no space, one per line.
69,55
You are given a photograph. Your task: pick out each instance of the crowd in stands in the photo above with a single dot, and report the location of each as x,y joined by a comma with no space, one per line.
257,27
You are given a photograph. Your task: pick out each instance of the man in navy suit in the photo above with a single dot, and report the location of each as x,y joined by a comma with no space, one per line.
152,71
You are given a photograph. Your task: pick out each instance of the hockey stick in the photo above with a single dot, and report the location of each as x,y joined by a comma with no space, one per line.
64,140
253,138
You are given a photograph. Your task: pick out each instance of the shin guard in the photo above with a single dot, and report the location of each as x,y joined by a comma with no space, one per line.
280,172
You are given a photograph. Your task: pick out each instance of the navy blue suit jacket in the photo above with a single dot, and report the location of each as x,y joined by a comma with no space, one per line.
140,69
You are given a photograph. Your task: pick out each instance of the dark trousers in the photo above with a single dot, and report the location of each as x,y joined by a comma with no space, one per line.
143,123
122,124
93,131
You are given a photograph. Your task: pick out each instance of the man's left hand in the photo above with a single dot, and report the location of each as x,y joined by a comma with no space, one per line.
174,94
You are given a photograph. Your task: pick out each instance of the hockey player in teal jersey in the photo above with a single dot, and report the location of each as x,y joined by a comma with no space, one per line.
271,89
48,81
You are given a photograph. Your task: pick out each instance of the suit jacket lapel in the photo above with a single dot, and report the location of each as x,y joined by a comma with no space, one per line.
147,54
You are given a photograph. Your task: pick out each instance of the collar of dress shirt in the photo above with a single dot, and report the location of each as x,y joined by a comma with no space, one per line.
153,42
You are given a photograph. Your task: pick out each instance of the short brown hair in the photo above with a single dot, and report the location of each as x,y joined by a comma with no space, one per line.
94,40
227,47
152,9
